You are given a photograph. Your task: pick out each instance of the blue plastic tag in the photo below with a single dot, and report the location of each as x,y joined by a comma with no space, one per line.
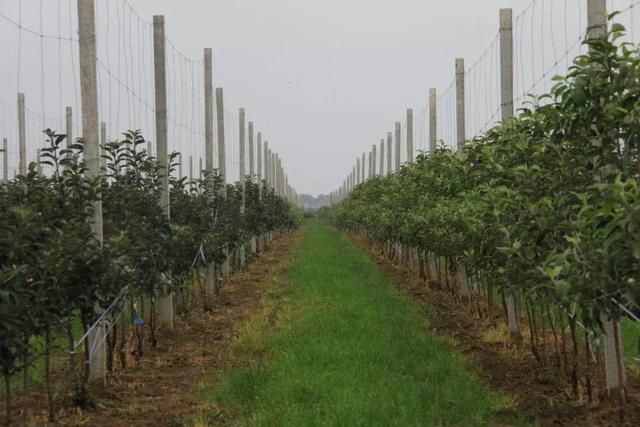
138,321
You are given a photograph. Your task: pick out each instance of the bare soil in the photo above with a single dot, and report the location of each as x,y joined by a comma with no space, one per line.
163,389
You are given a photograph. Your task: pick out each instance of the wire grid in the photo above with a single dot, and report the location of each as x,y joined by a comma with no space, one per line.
547,36
47,30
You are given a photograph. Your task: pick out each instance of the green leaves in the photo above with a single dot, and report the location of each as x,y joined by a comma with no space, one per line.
548,203
51,268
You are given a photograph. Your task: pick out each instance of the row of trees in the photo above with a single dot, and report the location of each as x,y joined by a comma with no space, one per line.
54,275
545,208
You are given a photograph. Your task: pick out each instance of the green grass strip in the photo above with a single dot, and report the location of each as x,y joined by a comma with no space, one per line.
347,350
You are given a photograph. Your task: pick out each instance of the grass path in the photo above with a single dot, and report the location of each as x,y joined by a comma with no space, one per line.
346,349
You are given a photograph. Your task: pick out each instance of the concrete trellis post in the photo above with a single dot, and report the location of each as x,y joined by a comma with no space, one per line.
460,108
286,186
596,18
38,164
274,173
433,117
280,172
272,168
381,171
397,146
264,241
103,143
208,111
269,170
283,181
267,153
354,177
615,373
506,92
165,302
222,167
5,161
614,369
389,145
259,158
22,136
465,290
279,175
161,108
241,145
69,125
506,64
373,162
254,239
90,134
409,136
251,151
243,172
210,280
261,155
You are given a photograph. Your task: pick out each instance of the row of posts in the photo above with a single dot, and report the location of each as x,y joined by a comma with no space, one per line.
597,12
266,163
279,180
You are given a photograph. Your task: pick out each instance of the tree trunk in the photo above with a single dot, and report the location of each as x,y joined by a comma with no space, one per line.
544,333
563,336
152,323
7,399
587,366
84,384
532,329
73,377
574,368
138,331
111,347
47,374
555,335
25,385
122,348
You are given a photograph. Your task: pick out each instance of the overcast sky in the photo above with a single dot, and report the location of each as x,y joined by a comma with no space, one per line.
322,80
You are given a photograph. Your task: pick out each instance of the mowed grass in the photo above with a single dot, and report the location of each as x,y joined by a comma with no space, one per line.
347,350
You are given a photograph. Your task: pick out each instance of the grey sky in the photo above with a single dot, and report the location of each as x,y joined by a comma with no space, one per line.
322,80
326,79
